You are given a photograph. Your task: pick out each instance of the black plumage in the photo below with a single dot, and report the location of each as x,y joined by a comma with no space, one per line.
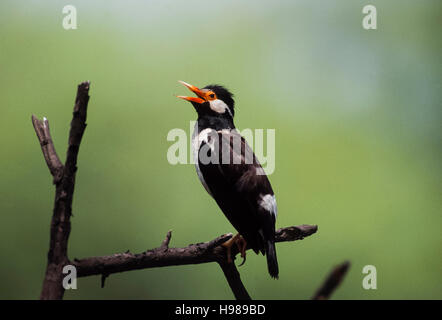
233,176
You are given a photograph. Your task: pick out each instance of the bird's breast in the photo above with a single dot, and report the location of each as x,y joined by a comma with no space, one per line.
197,139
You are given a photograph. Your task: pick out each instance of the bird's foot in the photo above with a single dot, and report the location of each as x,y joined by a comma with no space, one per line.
240,243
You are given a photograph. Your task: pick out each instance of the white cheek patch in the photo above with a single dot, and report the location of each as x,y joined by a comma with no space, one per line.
268,202
219,106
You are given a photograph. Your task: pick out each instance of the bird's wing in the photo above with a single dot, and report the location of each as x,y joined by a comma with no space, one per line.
246,173
230,158
238,182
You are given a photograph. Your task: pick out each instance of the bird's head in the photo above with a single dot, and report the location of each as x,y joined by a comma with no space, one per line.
212,100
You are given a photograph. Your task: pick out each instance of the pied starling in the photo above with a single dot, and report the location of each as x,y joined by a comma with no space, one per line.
231,174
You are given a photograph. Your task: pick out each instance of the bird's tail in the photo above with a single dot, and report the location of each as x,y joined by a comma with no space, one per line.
272,262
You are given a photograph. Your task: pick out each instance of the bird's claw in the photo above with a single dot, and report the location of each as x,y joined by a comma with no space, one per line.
242,246
243,260
240,243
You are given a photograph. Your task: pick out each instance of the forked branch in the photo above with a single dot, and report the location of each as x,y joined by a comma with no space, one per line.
64,180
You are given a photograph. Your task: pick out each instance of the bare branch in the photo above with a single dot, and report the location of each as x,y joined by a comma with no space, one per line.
295,233
53,162
64,179
333,280
78,125
165,244
234,280
103,279
210,251
288,234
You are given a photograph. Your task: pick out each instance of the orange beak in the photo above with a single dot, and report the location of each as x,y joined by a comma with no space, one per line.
201,94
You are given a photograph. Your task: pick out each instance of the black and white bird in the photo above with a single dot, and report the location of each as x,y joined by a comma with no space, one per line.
231,174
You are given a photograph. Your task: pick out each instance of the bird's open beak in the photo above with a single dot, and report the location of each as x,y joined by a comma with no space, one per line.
201,94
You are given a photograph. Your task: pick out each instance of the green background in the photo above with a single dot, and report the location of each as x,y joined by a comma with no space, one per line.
357,115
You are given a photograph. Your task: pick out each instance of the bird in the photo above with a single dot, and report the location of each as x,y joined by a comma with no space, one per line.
232,175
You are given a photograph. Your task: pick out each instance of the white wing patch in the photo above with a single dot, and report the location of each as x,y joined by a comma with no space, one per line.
268,202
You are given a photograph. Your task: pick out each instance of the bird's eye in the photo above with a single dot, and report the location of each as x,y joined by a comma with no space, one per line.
212,95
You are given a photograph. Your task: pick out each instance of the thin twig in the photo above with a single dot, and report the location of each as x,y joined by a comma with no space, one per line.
53,162
165,243
333,281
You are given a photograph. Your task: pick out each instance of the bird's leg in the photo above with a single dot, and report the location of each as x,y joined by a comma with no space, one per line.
240,243
228,245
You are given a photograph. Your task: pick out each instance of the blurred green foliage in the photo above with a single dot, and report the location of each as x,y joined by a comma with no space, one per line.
357,115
